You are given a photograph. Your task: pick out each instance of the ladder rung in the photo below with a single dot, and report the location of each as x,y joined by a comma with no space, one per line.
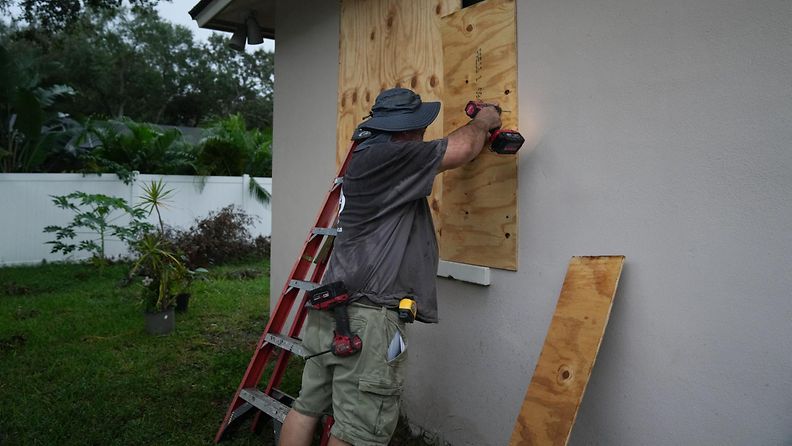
325,231
283,397
286,343
303,284
265,403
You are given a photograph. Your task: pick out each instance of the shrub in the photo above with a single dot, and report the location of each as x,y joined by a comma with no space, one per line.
221,237
104,216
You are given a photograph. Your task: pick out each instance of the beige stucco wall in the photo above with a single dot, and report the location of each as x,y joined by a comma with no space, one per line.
659,130
303,162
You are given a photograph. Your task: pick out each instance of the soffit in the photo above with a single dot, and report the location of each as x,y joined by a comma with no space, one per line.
226,15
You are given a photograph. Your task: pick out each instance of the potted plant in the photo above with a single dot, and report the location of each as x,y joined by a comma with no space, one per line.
162,274
159,266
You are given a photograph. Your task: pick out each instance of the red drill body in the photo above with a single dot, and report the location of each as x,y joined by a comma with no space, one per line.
503,141
334,296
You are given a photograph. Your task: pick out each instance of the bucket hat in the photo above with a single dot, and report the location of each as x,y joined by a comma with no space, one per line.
400,109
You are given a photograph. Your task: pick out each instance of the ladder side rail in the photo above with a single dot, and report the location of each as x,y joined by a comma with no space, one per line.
300,269
282,361
264,350
325,217
326,220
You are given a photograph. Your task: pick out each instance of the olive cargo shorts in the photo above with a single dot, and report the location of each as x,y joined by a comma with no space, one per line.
364,389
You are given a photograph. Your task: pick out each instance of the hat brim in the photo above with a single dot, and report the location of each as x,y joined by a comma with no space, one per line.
418,119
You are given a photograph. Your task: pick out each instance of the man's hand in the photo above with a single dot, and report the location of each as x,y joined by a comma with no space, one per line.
466,142
489,116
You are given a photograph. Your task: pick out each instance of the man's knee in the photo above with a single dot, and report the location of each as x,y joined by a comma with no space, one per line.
298,429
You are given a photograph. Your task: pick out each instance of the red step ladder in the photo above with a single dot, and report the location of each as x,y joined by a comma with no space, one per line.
274,344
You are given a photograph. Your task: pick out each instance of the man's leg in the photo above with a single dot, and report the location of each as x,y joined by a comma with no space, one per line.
297,430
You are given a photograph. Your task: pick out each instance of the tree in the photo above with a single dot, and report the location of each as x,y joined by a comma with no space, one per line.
225,82
29,129
124,64
133,63
56,15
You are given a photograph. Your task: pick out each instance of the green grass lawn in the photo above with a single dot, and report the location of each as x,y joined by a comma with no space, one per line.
77,368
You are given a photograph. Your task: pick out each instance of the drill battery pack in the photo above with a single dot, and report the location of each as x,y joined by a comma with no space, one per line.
328,296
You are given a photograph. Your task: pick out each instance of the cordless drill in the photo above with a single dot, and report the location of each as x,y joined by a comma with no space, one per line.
503,141
334,296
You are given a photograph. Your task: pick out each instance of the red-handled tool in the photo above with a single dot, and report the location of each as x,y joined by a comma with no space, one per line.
503,141
334,296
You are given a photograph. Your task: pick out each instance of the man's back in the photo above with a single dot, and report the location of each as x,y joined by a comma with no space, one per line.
387,248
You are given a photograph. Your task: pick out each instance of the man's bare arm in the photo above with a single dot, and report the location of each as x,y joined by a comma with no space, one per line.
466,142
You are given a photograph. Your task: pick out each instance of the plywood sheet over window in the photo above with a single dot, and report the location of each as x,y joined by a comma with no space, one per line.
449,56
479,209
386,44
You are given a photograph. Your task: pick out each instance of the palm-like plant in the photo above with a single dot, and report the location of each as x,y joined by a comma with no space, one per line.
155,197
164,273
232,149
126,146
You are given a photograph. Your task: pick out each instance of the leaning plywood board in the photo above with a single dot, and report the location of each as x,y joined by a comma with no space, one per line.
479,208
573,340
385,44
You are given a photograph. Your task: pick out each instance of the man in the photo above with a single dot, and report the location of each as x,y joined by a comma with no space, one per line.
386,251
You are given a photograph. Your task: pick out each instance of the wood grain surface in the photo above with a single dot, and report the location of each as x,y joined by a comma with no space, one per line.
479,208
570,349
385,44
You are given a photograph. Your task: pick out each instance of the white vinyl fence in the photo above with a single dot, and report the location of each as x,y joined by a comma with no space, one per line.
26,207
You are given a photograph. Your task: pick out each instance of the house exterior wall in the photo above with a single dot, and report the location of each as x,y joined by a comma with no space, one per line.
657,130
303,161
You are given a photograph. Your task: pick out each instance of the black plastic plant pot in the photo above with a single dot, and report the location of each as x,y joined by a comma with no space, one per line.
161,323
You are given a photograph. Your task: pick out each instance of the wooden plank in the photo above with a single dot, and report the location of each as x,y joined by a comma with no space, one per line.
570,349
479,207
385,44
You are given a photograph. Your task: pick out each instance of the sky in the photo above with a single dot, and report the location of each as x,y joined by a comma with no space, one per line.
177,11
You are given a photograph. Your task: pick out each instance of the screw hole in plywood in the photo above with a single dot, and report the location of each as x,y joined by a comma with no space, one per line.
564,374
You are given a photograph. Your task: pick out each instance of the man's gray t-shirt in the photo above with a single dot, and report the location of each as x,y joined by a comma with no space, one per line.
387,249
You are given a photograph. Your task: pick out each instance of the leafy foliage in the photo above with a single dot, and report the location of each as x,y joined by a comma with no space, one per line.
102,215
127,146
29,130
160,265
162,272
133,63
54,15
231,149
124,66
221,237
